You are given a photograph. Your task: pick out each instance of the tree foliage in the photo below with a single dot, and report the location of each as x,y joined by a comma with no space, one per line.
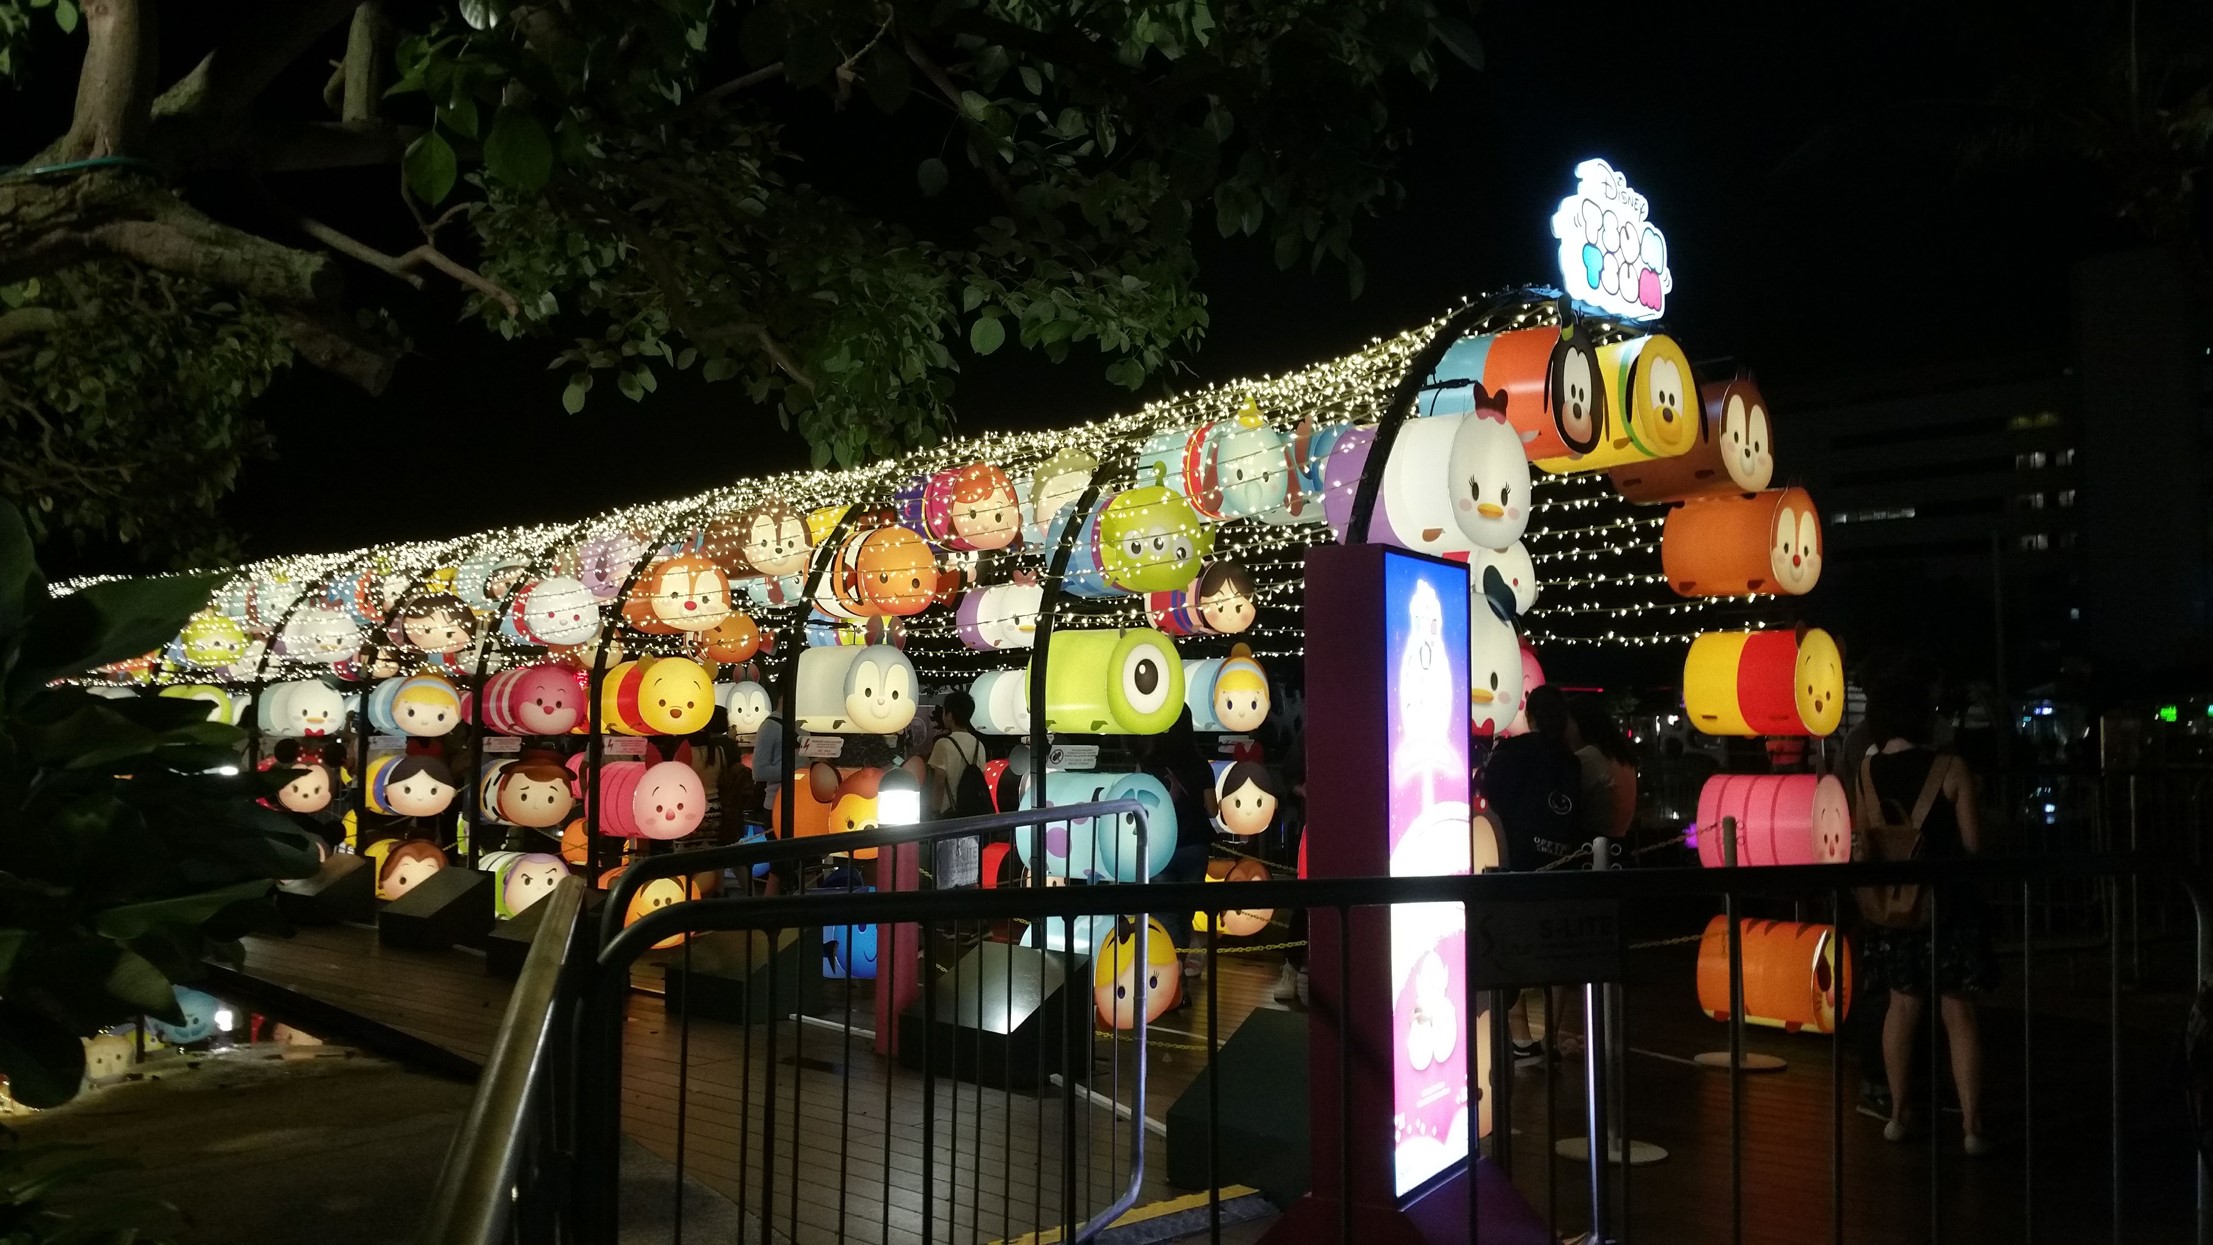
829,203
127,854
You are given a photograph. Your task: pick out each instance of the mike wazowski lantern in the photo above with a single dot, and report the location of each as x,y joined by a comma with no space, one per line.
1127,682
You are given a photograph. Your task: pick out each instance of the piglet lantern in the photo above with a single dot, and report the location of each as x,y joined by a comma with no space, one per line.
651,800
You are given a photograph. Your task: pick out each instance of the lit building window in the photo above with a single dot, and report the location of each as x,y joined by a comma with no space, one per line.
2032,501
2033,541
2031,459
2065,458
2066,497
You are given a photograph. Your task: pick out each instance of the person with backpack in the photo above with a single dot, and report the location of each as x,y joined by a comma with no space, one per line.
957,784
1915,803
1532,784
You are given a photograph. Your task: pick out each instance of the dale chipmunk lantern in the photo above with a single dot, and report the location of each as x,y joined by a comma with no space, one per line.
1780,819
1764,683
1653,403
1743,544
1796,976
1127,682
1734,453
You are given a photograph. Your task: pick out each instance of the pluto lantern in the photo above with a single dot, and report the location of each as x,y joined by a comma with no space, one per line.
1796,976
1734,453
1764,683
1743,545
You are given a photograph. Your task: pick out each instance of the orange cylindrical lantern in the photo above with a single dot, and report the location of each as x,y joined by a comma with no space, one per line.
1764,683
1554,392
1780,819
1735,452
1796,976
1743,545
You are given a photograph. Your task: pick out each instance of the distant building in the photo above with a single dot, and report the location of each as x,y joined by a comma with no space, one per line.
2069,486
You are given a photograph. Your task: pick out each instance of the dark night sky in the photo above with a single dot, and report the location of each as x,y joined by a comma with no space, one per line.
1796,269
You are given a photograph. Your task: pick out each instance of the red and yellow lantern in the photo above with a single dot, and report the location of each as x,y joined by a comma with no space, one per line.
1764,683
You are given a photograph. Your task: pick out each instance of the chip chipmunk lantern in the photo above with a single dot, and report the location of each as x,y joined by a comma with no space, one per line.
1743,545
1127,682
1750,683
1653,402
1735,451
774,545
689,592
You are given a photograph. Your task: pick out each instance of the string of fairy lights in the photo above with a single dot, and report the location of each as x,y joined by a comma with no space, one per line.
309,614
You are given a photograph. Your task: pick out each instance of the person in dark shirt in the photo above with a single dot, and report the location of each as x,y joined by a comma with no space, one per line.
1530,783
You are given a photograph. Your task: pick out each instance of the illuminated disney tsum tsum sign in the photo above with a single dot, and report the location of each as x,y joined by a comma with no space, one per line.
1612,257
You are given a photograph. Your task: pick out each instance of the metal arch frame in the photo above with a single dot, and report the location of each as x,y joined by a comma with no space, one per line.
539,559
819,560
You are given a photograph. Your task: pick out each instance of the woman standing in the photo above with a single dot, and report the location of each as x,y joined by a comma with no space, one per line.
1609,764
1906,782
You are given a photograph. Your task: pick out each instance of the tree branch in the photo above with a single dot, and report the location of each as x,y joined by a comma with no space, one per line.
402,267
428,254
364,62
945,87
115,88
716,94
327,145
265,42
326,338
46,225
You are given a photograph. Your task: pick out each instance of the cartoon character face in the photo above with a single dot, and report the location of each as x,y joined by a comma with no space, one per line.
775,539
308,792
895,571
605,561
1150,540
1241,695
849,951
559,612
985,514
669,802
1002,702
406,865
659,893
1001,616
1433,1028
534,795
547,700
1489,476
1226,603
423,793
1794,554
749,707
1249,465
212,640
879,691
1660,390
853,809
108,1057
426,706
688,593
1121,965
675,696
309,708
1113,682
1059,482
1819,685
318,634
198,1009
1494,669
1237,922
736,638
1247,809
530,878
1747,450
1578,394
436,622
1832,822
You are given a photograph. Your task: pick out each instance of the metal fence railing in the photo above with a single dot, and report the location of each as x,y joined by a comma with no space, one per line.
827,1136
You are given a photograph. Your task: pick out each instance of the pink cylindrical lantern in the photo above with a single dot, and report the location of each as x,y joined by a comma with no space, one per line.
1781,819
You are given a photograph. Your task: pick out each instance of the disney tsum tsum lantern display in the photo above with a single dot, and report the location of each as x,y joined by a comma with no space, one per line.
1247,796
1227,693
659,893
1743,545
858,690
412,785
521,879
893,572
1127,682
1515,567
748,705
737,638
319,635
1001,616
301,709
1236,922
1248,465
1797,977
310,788
223,705
1735,452
774,544
688,592
539,699
974,508
209,641
1487,475
425,706
1002,702
650,800
534,794
1494,659
1548,380
1653,400
1100,849
1780,819
657,696
1149,540
1136,969
402,864
557,612
1223,600
1054,485
433,622
1414,507
1764,683
604,562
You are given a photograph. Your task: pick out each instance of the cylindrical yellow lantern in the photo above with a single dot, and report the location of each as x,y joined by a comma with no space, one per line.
1764,683
1652,400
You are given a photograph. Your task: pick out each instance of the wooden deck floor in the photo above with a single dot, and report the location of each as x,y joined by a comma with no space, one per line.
989,1165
